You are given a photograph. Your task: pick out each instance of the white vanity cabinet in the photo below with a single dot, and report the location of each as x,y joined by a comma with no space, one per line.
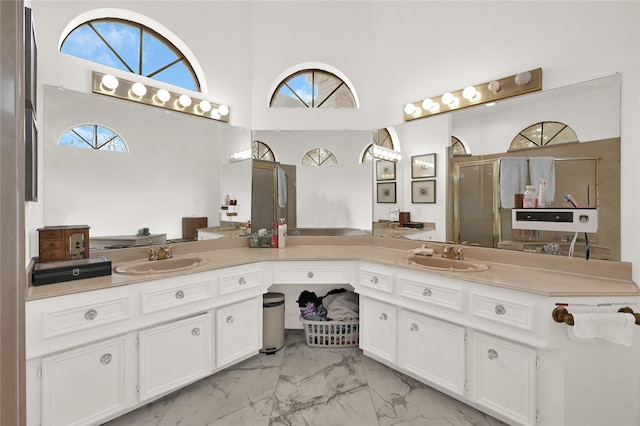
433,350
502,377
238,331
173,354
378,323
83,385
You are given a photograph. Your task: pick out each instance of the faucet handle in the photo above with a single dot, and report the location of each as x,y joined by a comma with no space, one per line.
459,254
153,255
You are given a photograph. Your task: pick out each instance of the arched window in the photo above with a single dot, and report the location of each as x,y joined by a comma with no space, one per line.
319,157
93,136
132,47
261,151
313,88
542,134
381,137
458,146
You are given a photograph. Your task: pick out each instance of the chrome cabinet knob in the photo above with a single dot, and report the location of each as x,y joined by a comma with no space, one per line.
179,294
105,359
492,354
310,274
242,281
90,314
374,280
383,316
414,327
500,310
229,319
426,292
195,331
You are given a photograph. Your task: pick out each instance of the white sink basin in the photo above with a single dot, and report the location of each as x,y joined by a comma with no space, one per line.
164,266
439,263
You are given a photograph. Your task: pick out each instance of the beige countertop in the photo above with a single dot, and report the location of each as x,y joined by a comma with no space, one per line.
540,274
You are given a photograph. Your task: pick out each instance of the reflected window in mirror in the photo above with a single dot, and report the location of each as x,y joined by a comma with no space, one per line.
543,134
313,88
131,47
319,157
458,147
93,136
261,151
381,137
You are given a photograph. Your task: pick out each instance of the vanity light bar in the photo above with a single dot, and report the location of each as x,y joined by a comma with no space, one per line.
386,153
507,87
107,84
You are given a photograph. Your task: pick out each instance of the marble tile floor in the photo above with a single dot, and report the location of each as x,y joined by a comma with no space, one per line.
306,386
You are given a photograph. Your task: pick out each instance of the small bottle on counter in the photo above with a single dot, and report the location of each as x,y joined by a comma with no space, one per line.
227,200
530,199
282,232
249,227
274,235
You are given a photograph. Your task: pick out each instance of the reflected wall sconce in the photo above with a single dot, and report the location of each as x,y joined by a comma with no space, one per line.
386,154
110,85
495,90
240,155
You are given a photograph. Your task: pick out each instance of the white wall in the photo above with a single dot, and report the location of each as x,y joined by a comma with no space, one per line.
394,52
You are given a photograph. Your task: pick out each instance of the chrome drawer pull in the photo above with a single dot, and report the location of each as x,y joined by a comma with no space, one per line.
195,331
179,294
492,354
383,316
229,319
310,274
426,292
414,327
374,280
90,314
500,310
242,281
105,359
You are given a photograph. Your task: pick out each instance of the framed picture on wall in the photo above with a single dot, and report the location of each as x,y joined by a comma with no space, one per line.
423,191
385,170
30,157
423,166
387,192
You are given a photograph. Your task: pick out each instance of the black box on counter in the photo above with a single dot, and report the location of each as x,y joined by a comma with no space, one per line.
69,270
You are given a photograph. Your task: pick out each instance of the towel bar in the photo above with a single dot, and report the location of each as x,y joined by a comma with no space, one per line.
560,314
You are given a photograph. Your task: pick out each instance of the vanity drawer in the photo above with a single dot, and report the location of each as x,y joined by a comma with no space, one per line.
310,273
57,322
377,280
174,296
240,280
502,311
448,297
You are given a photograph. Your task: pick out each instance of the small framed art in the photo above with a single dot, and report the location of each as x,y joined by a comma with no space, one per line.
423,191
385,170
423,166
387,192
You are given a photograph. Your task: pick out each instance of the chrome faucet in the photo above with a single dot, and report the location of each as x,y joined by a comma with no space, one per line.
152,254
164,252
450,252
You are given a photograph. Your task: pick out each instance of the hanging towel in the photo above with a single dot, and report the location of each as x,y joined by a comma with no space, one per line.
513,179
282,188
543,168
612,327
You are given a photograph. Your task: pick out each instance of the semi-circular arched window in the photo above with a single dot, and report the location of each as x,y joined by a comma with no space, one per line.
542,134
313,88
132,47
319,157
458,146
261,151
93,136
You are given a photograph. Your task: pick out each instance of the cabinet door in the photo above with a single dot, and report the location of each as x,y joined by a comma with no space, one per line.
503,377
83,385
433,350
239,331
174,354
378,329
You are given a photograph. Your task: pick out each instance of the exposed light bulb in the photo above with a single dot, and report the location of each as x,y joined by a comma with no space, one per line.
427,104
523,78
184,100
494,86
223,110
469,92
139,89
205,106
163,95
447,98
110,81
455,102
409,109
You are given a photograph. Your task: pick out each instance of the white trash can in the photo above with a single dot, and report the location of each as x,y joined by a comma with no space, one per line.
272,323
